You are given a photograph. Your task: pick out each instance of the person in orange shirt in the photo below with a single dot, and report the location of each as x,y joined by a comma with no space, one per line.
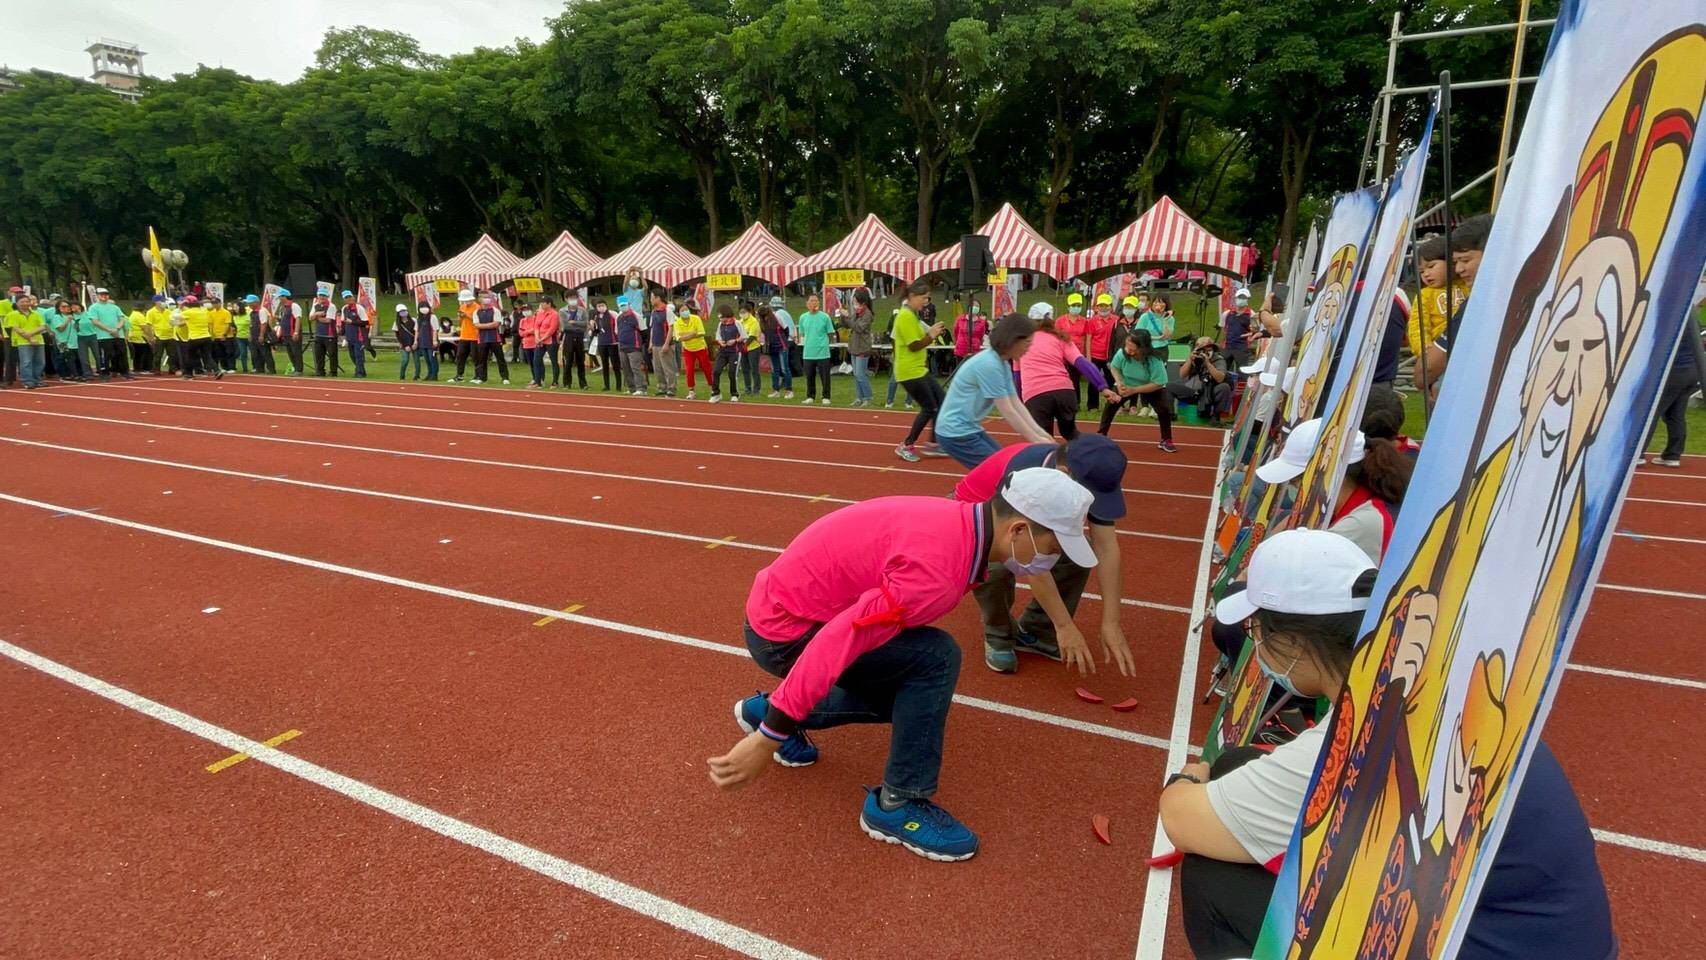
466,336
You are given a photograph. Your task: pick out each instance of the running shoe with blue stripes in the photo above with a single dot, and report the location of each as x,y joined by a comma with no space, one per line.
919,826
796,751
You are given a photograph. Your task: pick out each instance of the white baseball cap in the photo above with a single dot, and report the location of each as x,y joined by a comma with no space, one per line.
1299,447
1041,309
1298,571
1242,292
1268,367
1045,495
465,295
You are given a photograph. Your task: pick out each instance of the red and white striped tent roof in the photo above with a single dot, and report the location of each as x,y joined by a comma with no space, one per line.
1163,235
563,261
871,246
755,253
660,259
1014,243
484,264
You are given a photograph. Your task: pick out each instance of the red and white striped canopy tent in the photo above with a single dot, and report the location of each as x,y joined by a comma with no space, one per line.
871,246
484,264
1015,245
755,253
660,259
1163,235
563,261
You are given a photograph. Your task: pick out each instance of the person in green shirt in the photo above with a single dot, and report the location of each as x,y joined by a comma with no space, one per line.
8,359
28,332
912,340
62,325
107,321
817,329
241,322
1158,321
1140,376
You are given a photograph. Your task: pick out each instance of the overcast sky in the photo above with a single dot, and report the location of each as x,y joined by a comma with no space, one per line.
274,39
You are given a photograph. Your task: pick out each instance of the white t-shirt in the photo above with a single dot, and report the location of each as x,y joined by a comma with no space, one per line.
1259,801
1364,527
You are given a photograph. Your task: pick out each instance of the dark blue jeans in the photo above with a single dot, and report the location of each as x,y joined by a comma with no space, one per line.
357,357
907,683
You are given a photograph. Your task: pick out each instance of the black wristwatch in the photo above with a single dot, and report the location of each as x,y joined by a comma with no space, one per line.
1181,775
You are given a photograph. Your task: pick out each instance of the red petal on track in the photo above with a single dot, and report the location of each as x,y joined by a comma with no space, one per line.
1087,696
1127,705
1099,823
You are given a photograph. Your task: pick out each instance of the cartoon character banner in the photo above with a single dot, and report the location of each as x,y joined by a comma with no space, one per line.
1600,238
1318,485
215,291
426,295
1348,232
367,297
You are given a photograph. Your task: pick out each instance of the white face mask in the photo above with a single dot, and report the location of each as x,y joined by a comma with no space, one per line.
1241,302
1130,311
1075,310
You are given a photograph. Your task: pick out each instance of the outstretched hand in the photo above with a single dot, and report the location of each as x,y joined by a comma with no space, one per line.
1115,650
743,765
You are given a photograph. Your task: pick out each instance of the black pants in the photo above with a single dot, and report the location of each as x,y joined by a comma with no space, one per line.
610,359
114,353
726,360
1673,409
995,601
1056,409
197,357
464,349
293,350
1092,397
324,348
514,348
141,356
1224,903
483,353
926,391
260,356
817,370
8,362
1209,400
574,358
1159,400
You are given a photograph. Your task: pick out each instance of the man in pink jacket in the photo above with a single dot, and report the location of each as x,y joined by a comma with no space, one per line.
843,617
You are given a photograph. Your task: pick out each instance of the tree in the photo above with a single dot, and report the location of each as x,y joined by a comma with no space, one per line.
363,48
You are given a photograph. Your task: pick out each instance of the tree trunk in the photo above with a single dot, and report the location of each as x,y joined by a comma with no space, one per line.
348,245
928,176
1065,153
14,263
1144,181
414,252
705,171
266,254
1293,161
976,191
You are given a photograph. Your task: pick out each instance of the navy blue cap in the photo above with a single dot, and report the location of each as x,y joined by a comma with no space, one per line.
1099,464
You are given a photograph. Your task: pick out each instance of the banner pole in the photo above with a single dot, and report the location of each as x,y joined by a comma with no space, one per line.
1510,104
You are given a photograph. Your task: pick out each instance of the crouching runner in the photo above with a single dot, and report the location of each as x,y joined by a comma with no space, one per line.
843,617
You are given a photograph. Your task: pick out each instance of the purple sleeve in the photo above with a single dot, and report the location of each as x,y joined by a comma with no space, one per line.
1088,370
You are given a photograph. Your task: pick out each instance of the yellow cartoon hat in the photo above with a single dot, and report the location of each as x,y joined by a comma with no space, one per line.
1075,299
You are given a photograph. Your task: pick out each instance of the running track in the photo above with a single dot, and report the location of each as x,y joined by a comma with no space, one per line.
385,569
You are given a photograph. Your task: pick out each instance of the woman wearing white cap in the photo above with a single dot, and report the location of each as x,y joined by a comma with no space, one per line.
1304,601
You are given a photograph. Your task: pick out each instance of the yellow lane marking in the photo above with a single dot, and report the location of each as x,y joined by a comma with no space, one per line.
237,758
546,621
713,546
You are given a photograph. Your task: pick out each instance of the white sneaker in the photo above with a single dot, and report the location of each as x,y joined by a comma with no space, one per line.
889,405
808,400
734,398
788,396
476,382
716,399
506,383
824,402
690,395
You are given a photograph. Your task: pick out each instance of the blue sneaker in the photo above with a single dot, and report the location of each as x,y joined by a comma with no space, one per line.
1032,644
1001,661
919,826
796,751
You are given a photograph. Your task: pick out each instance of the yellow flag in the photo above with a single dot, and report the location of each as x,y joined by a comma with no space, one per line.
159,269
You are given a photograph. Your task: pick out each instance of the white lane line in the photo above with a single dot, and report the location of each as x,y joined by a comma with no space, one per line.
1653,591
1668,503
743,491
674,407
477,508
1158,887
579,421
533,610
1632,535
947,478
604,887
1632,675
1660,847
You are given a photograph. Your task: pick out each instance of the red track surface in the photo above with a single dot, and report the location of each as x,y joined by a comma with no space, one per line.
588,742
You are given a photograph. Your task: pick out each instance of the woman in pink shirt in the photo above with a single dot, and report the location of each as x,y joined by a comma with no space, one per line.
1045,383
544,332
843,618
969,330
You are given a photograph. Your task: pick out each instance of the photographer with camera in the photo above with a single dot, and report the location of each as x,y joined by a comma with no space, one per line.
1203,381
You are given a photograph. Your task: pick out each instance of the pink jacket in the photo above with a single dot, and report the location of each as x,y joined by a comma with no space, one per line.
969,332
863,572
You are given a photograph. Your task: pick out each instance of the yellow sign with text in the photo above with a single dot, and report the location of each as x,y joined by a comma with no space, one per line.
844,278
999,277
723,281
529,285
447,286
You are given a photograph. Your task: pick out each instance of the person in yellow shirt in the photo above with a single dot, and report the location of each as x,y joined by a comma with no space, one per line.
223,331
689,331
195,339
162,336
1428,323
136,337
